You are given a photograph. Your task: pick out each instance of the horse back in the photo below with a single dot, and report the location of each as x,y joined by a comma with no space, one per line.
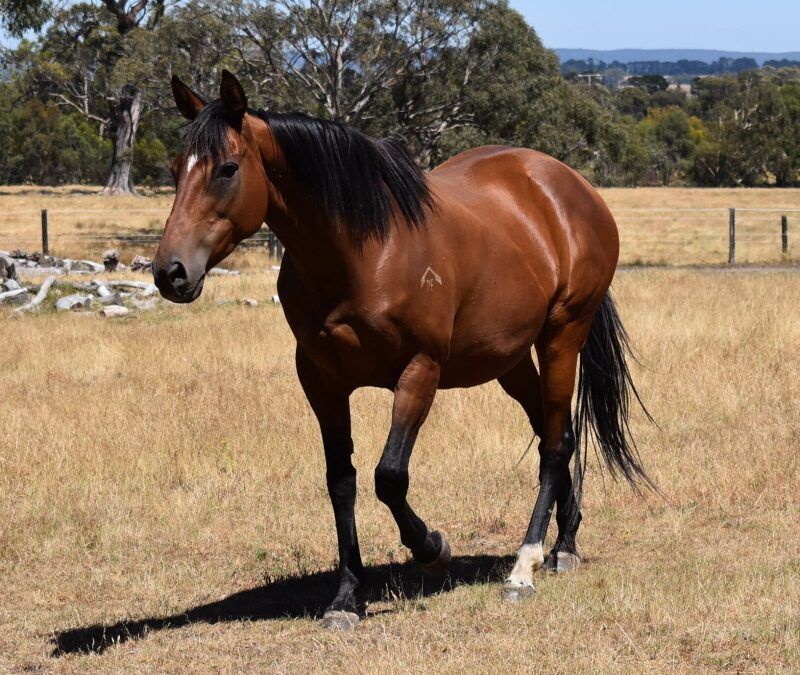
524,205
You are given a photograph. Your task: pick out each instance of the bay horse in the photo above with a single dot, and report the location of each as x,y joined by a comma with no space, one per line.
416,282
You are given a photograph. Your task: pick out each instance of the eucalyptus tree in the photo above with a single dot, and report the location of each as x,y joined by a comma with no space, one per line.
111,61
752,120
20,16
76,63
382,65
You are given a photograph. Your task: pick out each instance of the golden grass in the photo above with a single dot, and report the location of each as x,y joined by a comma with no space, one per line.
693,228
83,223
154,465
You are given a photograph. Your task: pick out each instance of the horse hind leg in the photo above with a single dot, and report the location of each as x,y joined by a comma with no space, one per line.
564,556
558,357
523,384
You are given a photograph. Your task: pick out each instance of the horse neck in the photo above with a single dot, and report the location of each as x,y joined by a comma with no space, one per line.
321,254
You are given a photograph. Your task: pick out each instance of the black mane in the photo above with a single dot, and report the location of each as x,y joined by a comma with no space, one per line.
355,180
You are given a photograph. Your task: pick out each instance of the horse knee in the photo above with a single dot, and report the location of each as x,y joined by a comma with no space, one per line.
342,488
391,484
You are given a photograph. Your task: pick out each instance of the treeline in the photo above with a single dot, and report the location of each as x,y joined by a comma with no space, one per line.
88,100
783,63
721,66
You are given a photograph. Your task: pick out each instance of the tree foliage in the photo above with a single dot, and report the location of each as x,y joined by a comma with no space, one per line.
446,75
19,16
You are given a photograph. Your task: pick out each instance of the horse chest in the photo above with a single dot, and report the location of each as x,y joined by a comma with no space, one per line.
345,348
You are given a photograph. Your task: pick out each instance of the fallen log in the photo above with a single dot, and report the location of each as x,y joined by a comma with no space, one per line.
41,271
40,296
139,285
86,266
10,295
77,286
74,302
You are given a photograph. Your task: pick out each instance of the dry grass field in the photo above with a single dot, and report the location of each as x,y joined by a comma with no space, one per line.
163,504
664,226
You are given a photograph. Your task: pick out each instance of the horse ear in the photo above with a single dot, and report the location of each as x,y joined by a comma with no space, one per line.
234,100
189,103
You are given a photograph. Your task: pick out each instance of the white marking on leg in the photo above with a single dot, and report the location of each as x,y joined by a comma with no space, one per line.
529,558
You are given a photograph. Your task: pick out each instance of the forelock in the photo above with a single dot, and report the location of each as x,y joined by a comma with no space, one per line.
207,135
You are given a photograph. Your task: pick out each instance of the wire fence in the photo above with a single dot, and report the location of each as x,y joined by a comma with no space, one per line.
668,236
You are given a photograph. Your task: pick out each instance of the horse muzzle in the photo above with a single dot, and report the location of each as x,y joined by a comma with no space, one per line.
176,284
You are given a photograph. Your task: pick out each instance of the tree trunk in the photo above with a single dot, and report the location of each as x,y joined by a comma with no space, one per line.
125,122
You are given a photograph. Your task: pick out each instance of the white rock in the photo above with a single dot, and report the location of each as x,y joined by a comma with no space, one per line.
140,263
8,267
249,302
114,311
145,305
150,291
113,299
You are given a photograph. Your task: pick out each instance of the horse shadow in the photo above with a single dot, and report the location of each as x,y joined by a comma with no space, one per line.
291,598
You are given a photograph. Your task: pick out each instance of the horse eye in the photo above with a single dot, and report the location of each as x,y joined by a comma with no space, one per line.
228,170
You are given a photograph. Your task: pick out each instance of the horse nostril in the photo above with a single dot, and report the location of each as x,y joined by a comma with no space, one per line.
176,274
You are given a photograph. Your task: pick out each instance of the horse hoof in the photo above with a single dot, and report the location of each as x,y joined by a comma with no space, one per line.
337,619
438,567
560,562
516,592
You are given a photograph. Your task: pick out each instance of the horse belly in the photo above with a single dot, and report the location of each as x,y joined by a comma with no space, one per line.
483,351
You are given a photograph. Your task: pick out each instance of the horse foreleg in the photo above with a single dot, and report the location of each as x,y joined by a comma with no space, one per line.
558,359
332,409
413,398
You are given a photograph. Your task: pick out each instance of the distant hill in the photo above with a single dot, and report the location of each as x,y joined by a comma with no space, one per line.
705,55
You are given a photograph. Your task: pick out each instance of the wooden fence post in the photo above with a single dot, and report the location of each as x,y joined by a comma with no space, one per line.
785,235
45,238
732,238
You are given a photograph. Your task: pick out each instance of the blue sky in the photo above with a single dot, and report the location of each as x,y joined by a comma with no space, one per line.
735,25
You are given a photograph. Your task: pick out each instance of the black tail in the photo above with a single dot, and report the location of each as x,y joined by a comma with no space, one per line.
605,386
